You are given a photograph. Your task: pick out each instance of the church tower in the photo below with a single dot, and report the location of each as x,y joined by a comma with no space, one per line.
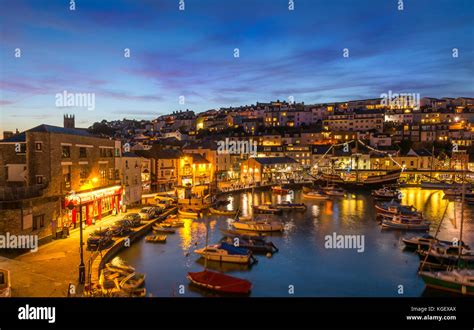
69,121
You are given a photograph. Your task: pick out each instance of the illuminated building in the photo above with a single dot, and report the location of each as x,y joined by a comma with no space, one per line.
41,166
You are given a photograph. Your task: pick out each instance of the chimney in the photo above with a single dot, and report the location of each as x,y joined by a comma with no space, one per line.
69,121
7,134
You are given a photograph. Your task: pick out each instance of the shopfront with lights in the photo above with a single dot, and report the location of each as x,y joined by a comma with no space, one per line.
93,205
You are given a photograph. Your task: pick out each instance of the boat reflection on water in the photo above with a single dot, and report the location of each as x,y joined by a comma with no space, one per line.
224,267
303,260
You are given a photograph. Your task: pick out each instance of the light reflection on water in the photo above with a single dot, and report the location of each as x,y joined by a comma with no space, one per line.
303,260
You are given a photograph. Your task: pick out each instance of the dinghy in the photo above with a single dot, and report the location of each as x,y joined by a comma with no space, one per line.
334,191
161,229
258,225
386,193
189,214
256,245
156,239
399,222
226,253
287,206
132,282
222,212
423,242
220,282
315,195
266,209
279,190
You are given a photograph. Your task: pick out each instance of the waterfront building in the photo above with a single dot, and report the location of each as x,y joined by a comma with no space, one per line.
264,170
41,166
164,167
131,176
357,120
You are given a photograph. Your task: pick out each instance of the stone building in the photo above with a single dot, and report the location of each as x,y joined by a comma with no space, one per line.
39,169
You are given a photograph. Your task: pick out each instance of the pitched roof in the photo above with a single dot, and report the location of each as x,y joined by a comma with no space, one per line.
59,130
129,154
158,152
15,138
197,158
43,128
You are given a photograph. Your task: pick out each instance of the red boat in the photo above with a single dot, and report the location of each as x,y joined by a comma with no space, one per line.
280,190
220,282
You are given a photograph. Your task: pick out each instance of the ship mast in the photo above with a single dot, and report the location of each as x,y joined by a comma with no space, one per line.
463,194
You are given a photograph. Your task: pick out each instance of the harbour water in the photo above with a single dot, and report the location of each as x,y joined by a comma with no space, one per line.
304,267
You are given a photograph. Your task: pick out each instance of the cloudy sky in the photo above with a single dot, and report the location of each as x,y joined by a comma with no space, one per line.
190,53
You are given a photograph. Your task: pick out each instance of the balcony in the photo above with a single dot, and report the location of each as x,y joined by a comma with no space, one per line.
19,193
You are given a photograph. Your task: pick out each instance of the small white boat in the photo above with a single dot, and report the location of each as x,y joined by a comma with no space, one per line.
132,282
156,239
225,253
258,225
287,206
399,222
266,209
335,192
386,193
189,214
279,190
221,212
315,195
5,283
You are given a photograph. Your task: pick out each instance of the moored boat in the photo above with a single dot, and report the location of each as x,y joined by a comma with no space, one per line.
386,193
222,212
220,282
444,256
189,214
287,206
458,281
132,282
257,245
424,242
266,209
119,266
394,208
280,190
161,229
399,222
315,195
156,239
258,225
334,191
172,223
226,253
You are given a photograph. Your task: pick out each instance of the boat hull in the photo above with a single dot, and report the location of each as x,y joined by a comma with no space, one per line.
260,227
238,259
220,282
436,282
405,226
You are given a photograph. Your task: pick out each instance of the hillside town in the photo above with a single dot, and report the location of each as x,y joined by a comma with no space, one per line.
115,165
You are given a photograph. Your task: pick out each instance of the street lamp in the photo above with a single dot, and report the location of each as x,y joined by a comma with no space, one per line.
82,267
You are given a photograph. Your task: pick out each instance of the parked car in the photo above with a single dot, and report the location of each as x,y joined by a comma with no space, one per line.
162,206
95,243
121,228
134,219
146,213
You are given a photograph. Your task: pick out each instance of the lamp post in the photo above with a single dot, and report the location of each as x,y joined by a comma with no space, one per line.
82,267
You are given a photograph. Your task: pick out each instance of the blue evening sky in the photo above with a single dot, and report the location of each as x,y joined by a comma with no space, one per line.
191,53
